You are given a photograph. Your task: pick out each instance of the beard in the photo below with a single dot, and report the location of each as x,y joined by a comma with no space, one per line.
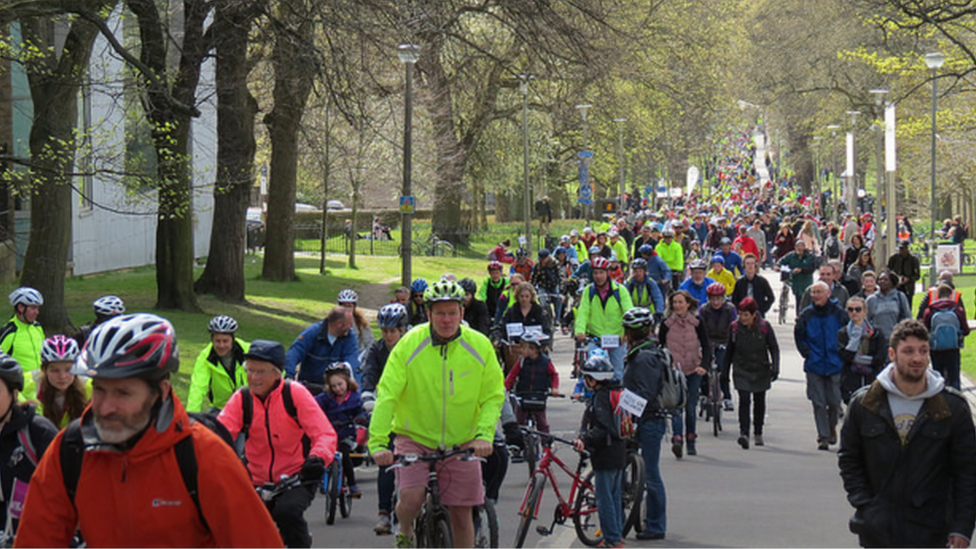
118,428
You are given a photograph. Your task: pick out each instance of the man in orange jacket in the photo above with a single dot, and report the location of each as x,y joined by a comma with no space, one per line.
129,487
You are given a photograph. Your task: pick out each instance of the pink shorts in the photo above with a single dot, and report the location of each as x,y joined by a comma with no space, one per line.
460,481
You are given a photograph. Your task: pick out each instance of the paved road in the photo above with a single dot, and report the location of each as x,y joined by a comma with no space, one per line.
786,494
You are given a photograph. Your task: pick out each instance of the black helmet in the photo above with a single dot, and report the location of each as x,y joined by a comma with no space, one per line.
11,372
140,345
598,368
469,286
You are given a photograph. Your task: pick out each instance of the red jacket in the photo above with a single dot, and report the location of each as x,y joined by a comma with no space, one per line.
137,498
749,245
267,464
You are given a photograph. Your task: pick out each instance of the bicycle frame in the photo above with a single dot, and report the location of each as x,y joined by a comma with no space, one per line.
546,474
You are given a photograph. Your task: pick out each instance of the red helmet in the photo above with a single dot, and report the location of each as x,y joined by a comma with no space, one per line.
715,288
600,262
494,265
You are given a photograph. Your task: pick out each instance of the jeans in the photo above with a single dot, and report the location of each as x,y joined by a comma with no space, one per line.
616,355
386,486
650,434
288,512
947,364
824,393
610,503
719,352
758,413
690,415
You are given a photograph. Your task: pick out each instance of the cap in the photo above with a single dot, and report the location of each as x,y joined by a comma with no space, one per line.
270,351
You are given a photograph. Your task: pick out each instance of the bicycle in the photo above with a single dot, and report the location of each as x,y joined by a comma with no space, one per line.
338,495
547,300
532,402
431,246
581,353
582,493
485,525
712,403
433,526
784,293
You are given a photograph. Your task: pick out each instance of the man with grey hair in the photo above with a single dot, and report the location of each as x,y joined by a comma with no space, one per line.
829,273
815,335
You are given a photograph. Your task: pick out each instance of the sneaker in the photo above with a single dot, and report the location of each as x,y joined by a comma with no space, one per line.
355,492
760,441
690,444
647,534
404,541
729,407
744,441
516,457
384,526
676,445
833,436
606,543
822,444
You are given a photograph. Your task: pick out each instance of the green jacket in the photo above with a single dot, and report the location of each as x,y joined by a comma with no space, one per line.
482,294
23,342
673,254
210,381
807,264
620,247
438,395
598,318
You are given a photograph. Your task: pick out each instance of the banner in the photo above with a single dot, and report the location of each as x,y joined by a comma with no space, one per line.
890,149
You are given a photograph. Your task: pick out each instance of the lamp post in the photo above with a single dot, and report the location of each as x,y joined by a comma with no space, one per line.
879,178
526,190
851,186
835,196
583,108
933,61
620,142
408,54
818,175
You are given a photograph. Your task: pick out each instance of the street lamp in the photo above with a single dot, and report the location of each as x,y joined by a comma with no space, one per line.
818,175
620,140
933,61
835,196
408,54
851,187
879,177
583,108
527,201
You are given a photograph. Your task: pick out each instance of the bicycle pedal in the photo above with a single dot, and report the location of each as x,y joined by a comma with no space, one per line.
542,530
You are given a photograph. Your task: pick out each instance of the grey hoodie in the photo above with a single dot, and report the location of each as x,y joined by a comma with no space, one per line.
904,409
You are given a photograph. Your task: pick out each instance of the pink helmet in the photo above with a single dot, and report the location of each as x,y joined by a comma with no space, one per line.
59,348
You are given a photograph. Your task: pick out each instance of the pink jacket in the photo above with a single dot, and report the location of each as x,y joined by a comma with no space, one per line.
267,461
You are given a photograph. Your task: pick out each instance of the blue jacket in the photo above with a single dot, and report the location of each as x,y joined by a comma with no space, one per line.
696,291
341,415
658,269
815,335
733,262
313,351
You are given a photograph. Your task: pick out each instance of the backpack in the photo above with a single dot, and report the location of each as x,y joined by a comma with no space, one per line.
247,409
624,419
674,386
72,453
832,247
946,333
591,293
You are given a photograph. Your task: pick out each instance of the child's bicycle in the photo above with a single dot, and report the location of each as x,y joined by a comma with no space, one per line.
433,526
339,496
583,510
581,353
711,402
784,293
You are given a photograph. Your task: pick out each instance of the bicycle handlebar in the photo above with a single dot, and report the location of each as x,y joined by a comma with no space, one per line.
406,460
548,438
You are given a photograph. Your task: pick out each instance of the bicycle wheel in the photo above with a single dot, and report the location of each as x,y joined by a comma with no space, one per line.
531,452
332,491
485,525
345,503
585,517
633,492
442,248
437,533
529,508
716,416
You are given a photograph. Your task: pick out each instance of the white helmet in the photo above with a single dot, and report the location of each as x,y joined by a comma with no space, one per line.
27,296
109,305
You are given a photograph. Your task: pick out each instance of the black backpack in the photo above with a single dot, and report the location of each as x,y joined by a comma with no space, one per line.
72,454
247,415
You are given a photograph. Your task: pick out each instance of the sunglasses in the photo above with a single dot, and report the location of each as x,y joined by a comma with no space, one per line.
854,309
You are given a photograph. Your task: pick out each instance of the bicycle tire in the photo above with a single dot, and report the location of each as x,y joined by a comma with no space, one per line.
332,492
442,248
586,520
345,503
716,417
486,527
529,507
635,477
531,452
438,530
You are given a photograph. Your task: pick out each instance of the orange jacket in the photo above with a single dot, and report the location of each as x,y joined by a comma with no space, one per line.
137,498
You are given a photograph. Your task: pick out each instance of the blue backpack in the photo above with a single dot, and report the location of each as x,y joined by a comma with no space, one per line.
946,333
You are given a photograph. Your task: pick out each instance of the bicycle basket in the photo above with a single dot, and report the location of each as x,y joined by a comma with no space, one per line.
532,402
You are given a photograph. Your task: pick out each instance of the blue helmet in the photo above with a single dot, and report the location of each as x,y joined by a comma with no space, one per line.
645,249
392,315
418,285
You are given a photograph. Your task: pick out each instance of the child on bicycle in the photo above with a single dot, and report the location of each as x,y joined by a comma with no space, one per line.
718,315
342,404
532,379
601,438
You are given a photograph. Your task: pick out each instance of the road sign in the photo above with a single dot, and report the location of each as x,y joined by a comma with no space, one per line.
586,194
406,204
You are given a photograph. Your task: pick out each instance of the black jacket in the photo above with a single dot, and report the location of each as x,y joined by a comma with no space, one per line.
916,494
476,315
14,460
877,349
762,292
643,370
601,432
536,317
373,364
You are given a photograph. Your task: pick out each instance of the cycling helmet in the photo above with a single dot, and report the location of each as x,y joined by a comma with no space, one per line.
139,345
392,315
108,305
600,262
594,249
598,368
718,259
715,288
560,250
574,232
613,257
534,338
645,249
26,296
11,372
522,253
494,265
725,240
222,324
469,286
667,233
638,317
639,263
543,253
339,367
418,286
613,231
444,290
698,264
347,296
59,348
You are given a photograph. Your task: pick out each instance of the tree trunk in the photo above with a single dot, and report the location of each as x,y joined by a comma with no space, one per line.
54,85
236,109
293,82
801,157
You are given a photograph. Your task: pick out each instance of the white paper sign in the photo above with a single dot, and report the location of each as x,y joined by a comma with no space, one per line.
632,402
610,341
537,330
523,241
514,329
948,258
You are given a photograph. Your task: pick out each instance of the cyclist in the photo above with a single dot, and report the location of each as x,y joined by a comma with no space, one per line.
754,285
566,246
601,309
618,245
275,439
643,291
526,312
323,343
343,405
718,315
475,312
364,336
657,269
585,270
523,263
219,369
61,395
673,255
442,386
722,275
24,438
392,320
533,378
645,366
491,289
22,336
136,424
698,282
616,271
416,310
106,307
547,277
